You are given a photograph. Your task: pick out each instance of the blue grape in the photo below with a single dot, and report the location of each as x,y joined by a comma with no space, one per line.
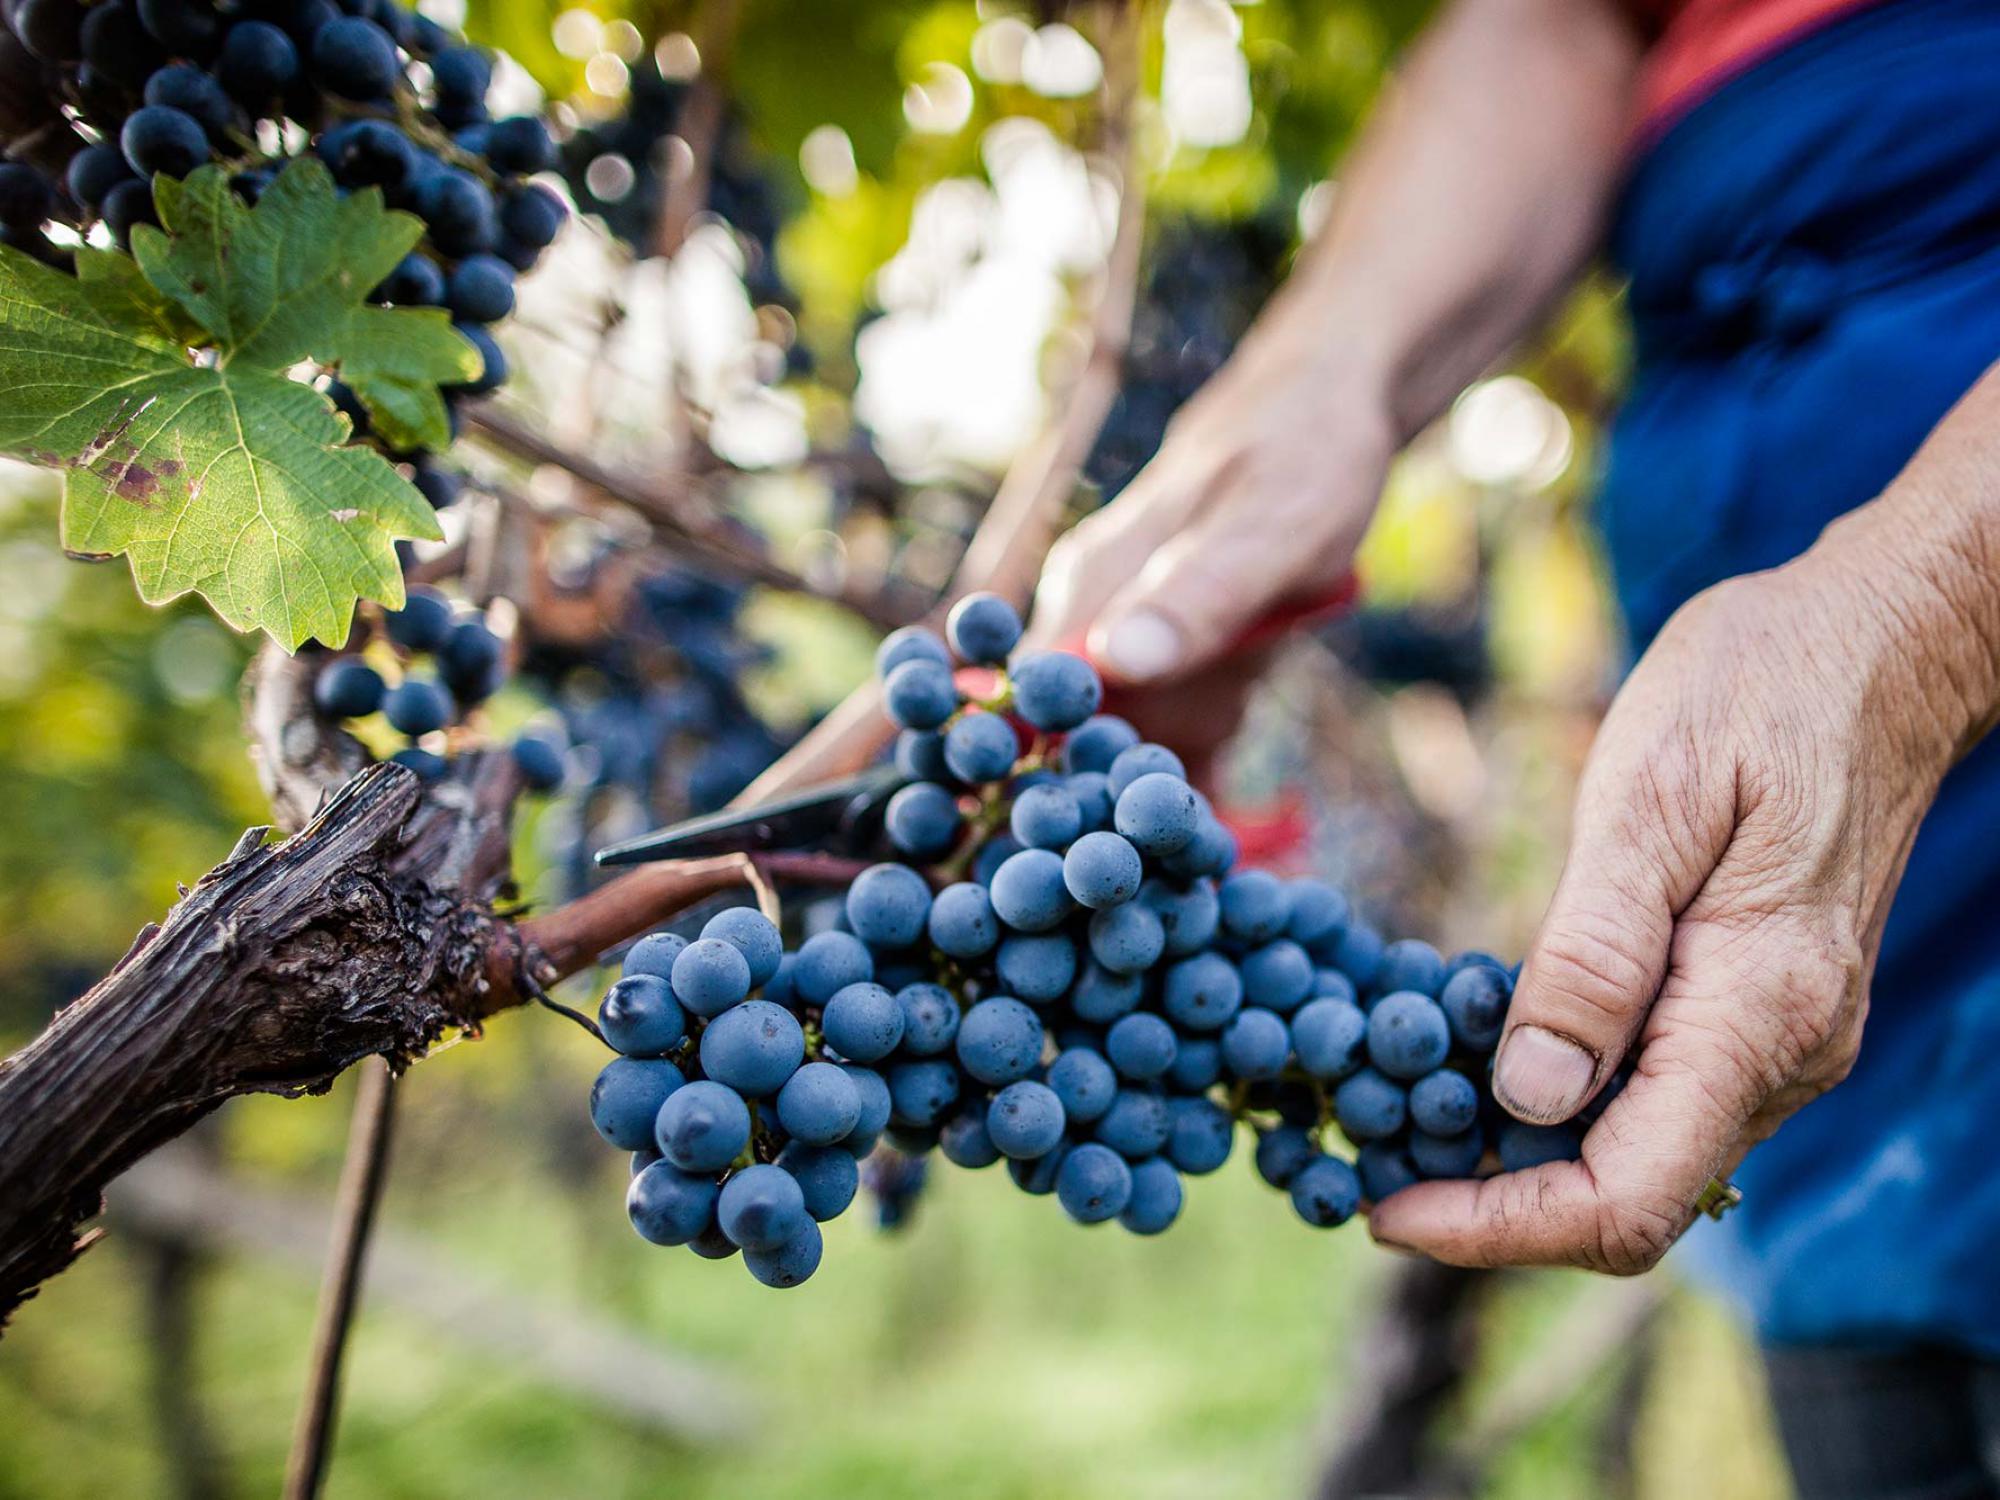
1046,817
999,1040
540,762
712,1244
1101,997
962,923
1522,1145
257,60
428,767
422,623
1331,984
911,643
887,905
1444,1103
182,86
994,853
461,74
94,171
966,1142
920,755
374,153
792,1262
1407,1034
752,934
668,1206
1329,1035
640,1017
1093,1184
1197,1065
828,962
1055,690
1127,939
1358,954
469,660
876,1105
520,145
159,138
1202,993
1141,1046
930,1019
1202,1135
1190,917
1212,851
862,1022
626,1099
1384,1169
1092,791
753,1047
1277,976
980,747
480,289
1095,743
1136,1125
416,706
1038,1176
1084,1082
710,976
1475,1004
702,1127
1157,813
653,954
920,695
1037,968
819,1104
1411,964
1446,1156
922,820
921,1092
1128,765
1028,892
1256,1043
1101,870
1471,958
827,1176
761,1207
982,629
354,59
1325,1192
347,688
1255,906
1370,1106
1283,1152
1156,1197
1318,916
1025,1119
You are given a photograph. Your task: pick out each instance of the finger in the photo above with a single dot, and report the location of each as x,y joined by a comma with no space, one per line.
1089,564
1649,830
1645,1163
1197,594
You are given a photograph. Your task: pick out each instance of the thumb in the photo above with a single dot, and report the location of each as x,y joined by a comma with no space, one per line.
1639,853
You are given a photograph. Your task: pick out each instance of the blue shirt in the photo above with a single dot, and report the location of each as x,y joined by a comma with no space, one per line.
1814,256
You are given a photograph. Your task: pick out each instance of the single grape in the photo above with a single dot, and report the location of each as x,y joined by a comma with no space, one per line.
355,59
1256,1043
1102,870
1447,1156
761,1207
1101,997
1370,1106
999,1041
863,1022
1085,1083
1522,1146
186,28
160,138
348,688
980,747
458,212
1411,965
1127,939
1093,1184
910,643
520,145
962,923
1475,1004
257,61
919,694
920,756
531,216
1144,759
1046,817
117,47
1325,1192
1384,1168
1283,1152
1201,1135
1255,906
1197,1065
1407,1034
653,954
828,962
1055,690
930,1019
628,1095
819,1104
51,30
1190,916
921,1092
1277,976
1444,1103
710,976
1136,1125
95,171
923,821
1025,1120
368,153
480,289
1094,744
185,87
1156,1197
1330,1036
712,1243
1028,891
1038,968
1358,954
669,1206
1141,1046
1212,850
1331,984
753,1047
982,629
540,762
1318,916
1157,813
640,1017
422,623
428,767
966,1142
461,74
1092,791
1038,1176
827,1175
876,1104
416,706
752,934
1202,993
994,853
469,661
127,205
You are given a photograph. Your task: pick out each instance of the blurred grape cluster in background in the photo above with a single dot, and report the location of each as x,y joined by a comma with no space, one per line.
827,265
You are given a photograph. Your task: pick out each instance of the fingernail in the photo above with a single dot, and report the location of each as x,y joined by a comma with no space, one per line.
1142,646
1399,1248
1541,1076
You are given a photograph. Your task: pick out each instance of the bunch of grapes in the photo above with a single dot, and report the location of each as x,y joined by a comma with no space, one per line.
127,90
447,664
1067,975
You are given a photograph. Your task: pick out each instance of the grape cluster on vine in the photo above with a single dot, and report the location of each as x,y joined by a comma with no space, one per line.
1069,975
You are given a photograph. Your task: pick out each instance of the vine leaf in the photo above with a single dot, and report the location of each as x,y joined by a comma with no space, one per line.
164,389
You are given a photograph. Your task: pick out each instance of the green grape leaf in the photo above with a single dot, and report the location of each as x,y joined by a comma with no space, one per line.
163,388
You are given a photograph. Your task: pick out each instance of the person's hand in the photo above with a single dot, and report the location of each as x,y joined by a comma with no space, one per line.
1258,495
1740,830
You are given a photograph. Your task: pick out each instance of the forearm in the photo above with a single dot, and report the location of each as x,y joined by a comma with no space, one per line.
1470,203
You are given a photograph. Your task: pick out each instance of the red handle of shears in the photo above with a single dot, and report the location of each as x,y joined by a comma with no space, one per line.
1282,619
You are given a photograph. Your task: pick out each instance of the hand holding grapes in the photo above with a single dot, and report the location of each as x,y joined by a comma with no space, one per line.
1740,832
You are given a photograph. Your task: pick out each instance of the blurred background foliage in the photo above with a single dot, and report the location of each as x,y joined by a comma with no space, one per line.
1422,751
